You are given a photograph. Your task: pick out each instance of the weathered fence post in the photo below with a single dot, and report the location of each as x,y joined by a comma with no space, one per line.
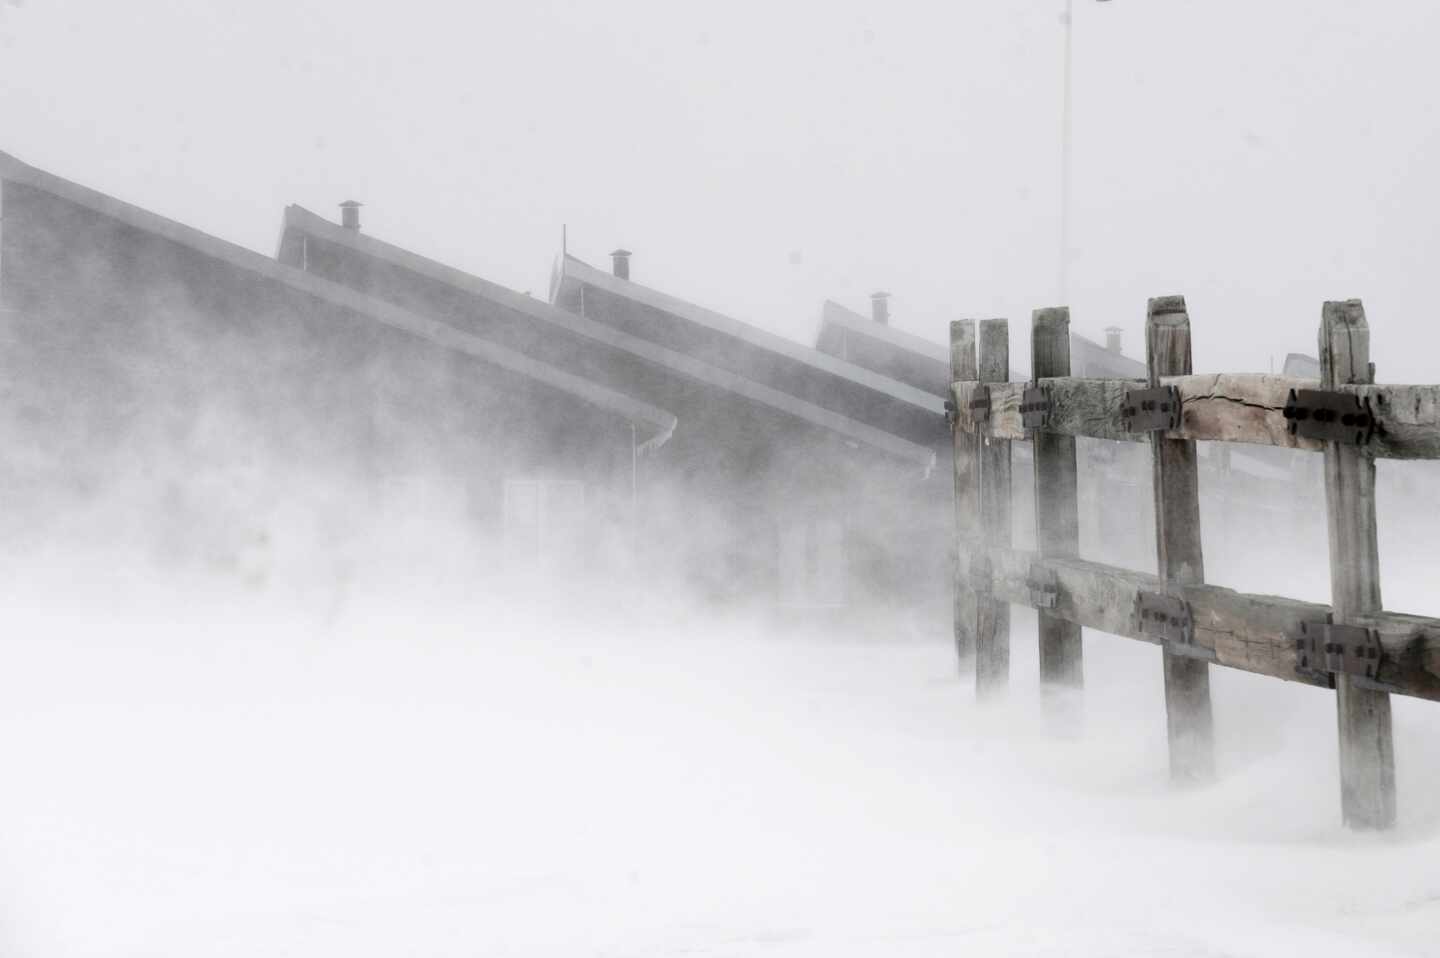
1057,525
992,640
1367,750
1188,716
967,492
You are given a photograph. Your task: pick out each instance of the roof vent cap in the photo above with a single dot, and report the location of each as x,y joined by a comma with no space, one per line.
880,307
350,214
620,259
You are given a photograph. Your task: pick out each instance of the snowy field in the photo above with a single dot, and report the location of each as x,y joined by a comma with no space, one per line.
433,770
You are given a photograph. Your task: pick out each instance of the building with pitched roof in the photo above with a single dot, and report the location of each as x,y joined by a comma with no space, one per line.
846,387
873,343
146,355
880,347
757,489
1107,469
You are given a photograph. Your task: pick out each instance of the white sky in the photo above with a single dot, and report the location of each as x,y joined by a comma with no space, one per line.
1258,157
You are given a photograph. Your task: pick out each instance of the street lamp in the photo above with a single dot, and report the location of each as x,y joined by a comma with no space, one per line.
1065,161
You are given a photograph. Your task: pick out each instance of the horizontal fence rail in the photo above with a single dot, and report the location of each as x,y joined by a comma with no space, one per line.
1240,407
1353,646
1253,633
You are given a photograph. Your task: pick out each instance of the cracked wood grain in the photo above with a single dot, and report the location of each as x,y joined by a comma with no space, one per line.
1232,407
1249,632
1367,742
966,471
1188,712
1057,523
992,642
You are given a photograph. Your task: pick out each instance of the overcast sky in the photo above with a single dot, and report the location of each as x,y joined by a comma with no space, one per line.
759,157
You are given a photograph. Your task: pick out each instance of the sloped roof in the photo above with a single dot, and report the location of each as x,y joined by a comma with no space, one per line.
835,317
1301,366
299,221
658,423
806,370
883,349
833,314
1098,362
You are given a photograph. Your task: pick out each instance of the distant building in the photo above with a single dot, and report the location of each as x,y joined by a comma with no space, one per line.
1091,360
894,536
880,347
753,492
1300,366
1106,468
148,359
925,364
762,356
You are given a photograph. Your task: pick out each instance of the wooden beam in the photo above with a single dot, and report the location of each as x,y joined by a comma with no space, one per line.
967,494
1367,749
1189,721
1412,652
992,645
1057,525
1252,633
1242,407
1409,417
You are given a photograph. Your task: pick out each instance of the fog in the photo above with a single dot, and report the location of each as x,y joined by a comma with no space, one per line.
286,667
626,776
1259,161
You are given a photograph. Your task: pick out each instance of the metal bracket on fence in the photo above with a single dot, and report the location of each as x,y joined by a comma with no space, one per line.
1326,649
1166,618
1151,410
1043,585
1035,407
1325,414
979,408
1163,617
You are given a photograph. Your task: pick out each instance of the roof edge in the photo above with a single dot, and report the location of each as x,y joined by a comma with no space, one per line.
834,313
299,218
648,296
661,421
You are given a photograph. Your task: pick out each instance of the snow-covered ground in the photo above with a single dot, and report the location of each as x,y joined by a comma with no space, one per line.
447,771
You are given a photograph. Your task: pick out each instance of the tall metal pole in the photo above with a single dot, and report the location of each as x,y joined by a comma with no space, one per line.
1064,299
634,495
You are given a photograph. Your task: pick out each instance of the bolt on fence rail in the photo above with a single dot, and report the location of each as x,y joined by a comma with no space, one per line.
1353,646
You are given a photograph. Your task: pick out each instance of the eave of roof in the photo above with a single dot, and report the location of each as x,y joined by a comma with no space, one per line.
833,314
302,220
582,272
659,423
1301,366
1120,363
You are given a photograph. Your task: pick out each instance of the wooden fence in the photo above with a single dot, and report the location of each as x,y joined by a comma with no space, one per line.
1352,646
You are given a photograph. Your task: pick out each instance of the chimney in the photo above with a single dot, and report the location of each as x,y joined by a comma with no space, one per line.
1112,339
880,308
621,260
350,215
